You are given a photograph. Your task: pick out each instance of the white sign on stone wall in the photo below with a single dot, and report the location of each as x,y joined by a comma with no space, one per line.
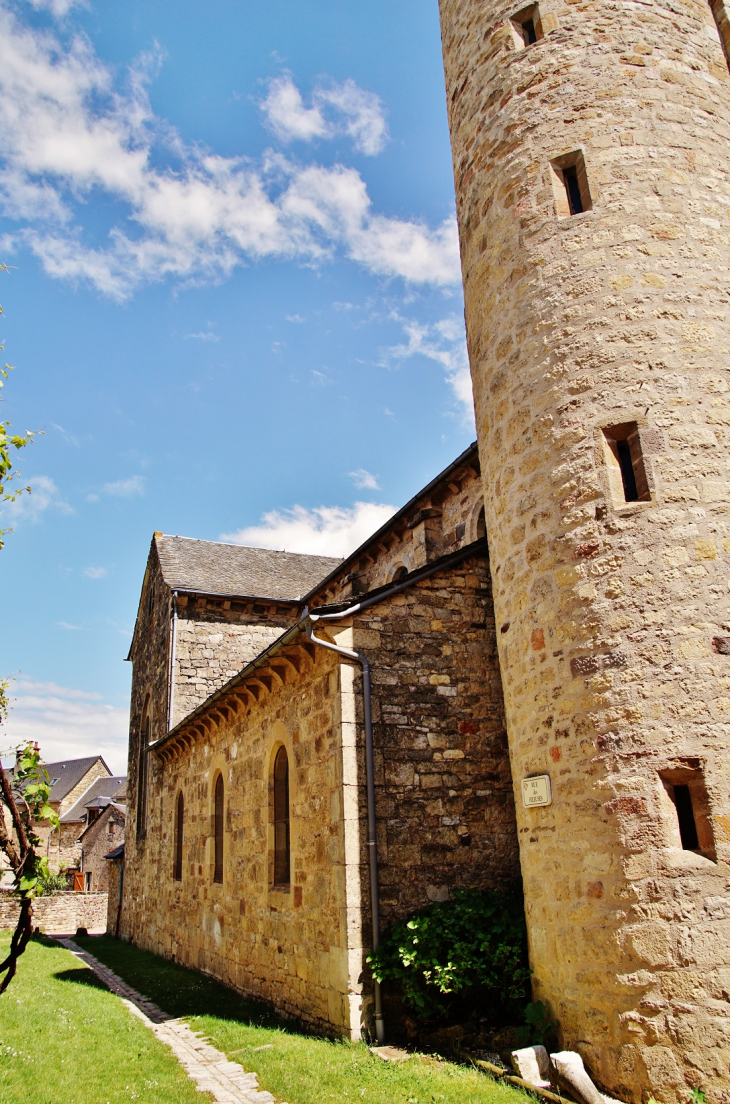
536,791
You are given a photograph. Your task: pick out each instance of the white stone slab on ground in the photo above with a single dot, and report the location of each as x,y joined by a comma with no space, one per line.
532,1065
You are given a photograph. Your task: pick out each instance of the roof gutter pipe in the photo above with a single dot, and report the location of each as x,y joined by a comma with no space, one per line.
310,620
357,657
173,642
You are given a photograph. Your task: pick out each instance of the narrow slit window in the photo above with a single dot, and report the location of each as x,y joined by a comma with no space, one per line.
572,188
282,856
526,27
687,809
218,830
179,821
570,184
722,21
627,471
686,818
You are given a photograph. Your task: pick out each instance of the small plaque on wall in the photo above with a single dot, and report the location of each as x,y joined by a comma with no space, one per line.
536,791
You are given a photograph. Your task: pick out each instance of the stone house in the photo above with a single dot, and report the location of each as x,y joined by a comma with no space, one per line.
248,850
105,833
70,781
98,821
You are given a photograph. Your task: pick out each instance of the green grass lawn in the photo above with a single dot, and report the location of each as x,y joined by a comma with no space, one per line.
64,1039
297,1068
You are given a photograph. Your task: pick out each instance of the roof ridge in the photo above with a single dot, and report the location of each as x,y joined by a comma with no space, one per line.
247,547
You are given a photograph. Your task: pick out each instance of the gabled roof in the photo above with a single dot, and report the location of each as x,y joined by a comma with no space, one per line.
68,774
210,567
101,788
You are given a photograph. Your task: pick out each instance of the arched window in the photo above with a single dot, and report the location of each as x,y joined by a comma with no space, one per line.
400,573
179,820
142,773
282,857
218,829
481,525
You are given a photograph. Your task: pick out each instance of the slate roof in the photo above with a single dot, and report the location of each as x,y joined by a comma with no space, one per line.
102,787
117,853
68,774
210,567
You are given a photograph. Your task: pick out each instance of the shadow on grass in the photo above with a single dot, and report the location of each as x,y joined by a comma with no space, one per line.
79,975
181,991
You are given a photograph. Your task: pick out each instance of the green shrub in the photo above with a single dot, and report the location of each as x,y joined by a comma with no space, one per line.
469,951
51,883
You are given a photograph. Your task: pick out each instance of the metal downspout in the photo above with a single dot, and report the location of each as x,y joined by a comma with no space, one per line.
356,657
173,641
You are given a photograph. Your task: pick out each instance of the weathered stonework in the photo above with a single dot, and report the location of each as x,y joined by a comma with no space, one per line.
58,913
101,837
613,615
444,804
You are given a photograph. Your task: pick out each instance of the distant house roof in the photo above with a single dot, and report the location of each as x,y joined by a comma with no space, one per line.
209,567
120,795
102,788
64,776
117,853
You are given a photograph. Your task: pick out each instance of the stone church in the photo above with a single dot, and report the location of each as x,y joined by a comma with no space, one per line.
315,745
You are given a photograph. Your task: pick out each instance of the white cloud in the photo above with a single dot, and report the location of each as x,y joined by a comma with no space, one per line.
44,496
95,572
59,8
445,343
337,110
286,114
322,531
67,723
208,335
68,134
68,626
125,488
364,480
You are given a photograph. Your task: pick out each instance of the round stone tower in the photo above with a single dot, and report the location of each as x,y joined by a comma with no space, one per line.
591,143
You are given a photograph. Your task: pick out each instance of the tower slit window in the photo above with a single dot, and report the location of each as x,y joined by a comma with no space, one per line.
570,184
526,27
625,461
218,804
687,810
685,817
282,849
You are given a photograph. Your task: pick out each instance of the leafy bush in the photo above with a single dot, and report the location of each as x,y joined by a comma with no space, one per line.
538,1026
470,949
49,882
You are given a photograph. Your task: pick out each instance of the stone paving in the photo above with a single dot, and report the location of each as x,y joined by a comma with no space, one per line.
227,1082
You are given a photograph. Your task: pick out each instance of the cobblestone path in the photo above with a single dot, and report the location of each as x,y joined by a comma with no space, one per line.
227,1082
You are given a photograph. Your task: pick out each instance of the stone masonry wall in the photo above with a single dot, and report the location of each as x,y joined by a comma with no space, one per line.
613,616
215,639
106,833
289,947
59,913
444,792
442,521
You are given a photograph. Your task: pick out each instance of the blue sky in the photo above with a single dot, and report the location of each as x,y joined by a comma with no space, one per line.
234,308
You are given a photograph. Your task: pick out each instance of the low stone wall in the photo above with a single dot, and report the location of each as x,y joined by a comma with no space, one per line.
59,912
